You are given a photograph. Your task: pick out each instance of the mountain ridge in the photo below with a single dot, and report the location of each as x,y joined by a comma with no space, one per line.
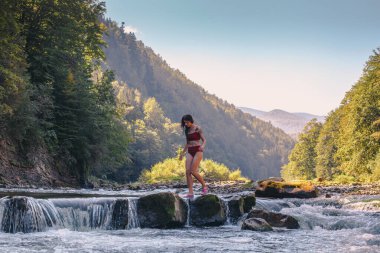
291,123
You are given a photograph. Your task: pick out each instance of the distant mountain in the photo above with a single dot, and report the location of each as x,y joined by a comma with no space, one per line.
234,138
291,123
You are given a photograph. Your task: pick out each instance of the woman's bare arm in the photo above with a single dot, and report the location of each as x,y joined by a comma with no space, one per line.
203,138
183,152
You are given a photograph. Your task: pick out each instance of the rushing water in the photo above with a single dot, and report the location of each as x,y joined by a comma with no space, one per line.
339,224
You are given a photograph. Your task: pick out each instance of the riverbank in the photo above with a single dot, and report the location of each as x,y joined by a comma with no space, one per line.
217,187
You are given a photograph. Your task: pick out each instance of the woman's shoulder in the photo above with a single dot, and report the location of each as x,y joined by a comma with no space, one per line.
198,128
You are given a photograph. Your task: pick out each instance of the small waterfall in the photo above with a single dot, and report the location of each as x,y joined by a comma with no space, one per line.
227,210
26,214
23,214
188,213
85,214
272,204
133,220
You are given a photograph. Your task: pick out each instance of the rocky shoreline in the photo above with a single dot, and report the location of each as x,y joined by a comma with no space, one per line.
217,187
352,189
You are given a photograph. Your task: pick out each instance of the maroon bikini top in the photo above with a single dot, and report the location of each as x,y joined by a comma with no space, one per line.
193,136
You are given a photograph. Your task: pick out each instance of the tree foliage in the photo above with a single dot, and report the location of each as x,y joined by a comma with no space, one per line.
302,158
49,51
348,146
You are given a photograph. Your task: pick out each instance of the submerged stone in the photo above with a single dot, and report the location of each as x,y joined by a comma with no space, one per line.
274,219
207,210
162,210
256,224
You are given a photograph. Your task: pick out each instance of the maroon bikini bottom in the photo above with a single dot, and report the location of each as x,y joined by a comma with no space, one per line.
193,150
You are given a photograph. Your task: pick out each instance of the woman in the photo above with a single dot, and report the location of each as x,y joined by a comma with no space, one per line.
194,154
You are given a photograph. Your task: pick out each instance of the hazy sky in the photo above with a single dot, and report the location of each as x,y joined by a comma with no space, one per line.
295,55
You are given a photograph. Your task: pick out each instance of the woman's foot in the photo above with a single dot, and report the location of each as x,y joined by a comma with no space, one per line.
189,196
204,190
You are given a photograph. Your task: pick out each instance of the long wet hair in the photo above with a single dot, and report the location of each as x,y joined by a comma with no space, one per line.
186,117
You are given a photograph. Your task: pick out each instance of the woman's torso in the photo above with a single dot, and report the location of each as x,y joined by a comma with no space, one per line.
193,137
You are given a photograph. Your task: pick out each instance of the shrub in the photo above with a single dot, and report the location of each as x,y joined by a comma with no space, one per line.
173,170
344,179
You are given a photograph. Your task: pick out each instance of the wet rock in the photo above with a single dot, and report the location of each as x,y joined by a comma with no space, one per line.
120,214
256,224
21,216
249,202
236,208
207,210
276,189
162,210
274,219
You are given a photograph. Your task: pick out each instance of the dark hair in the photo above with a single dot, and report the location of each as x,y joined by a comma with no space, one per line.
186,117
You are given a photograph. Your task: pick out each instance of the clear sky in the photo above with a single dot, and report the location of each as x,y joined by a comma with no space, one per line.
295,55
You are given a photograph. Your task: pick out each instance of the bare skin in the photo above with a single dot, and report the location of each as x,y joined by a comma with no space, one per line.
192,163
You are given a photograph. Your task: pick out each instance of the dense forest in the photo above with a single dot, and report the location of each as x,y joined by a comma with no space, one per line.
234,138
346,147
80,98
52,109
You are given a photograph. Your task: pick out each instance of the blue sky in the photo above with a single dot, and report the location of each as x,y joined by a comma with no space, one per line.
299,56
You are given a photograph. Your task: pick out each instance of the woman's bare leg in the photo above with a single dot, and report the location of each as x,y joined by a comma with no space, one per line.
194,168
189,177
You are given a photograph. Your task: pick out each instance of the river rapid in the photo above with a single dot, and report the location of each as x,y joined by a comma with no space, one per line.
64,222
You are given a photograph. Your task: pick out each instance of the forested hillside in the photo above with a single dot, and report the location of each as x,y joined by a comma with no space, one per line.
347,146
234,138
57,123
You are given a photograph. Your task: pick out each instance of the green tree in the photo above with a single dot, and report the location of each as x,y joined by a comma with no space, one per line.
16,109
326,163
302,159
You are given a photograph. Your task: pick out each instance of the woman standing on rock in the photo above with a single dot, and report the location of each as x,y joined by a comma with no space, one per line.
194,154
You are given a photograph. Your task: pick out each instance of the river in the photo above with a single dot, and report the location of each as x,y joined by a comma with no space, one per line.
69,223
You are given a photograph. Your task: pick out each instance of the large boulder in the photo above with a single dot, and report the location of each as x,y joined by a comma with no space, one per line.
207,210
120,214
235,207
277,189
162,210
274,219
249,201
256,224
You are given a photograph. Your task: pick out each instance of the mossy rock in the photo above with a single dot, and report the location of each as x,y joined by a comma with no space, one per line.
162,210
207,210
277,189
249,201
